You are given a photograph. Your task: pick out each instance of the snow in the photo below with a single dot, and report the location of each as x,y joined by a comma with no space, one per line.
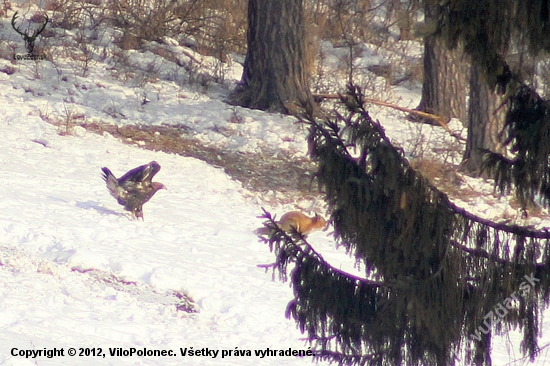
58,221
75,271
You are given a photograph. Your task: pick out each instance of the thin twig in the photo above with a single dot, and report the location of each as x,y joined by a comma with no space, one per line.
431,116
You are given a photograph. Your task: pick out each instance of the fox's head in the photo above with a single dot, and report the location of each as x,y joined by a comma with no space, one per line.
319,222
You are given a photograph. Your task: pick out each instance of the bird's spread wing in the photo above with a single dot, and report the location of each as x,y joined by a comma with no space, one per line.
141,174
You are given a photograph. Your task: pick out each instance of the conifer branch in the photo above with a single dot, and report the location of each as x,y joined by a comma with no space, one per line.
300,245
423,246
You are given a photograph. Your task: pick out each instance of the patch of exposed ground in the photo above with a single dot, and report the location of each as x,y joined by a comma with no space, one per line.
143,292
291,178
278,179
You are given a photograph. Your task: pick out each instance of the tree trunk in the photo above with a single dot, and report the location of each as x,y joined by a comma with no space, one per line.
483,124
274,76
444,86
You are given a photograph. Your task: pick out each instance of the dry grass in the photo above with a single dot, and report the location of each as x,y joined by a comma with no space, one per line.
445,177
180,300
290,178
213,28
448,180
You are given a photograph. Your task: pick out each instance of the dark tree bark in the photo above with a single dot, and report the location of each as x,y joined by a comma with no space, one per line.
484,124
445,75
274,76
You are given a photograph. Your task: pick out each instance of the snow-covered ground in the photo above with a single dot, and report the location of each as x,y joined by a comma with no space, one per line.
57,221
75,272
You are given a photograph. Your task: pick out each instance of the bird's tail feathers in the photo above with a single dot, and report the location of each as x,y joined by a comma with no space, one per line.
106,173
110,179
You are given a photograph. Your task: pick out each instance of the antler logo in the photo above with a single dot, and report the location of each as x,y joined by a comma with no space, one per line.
29,39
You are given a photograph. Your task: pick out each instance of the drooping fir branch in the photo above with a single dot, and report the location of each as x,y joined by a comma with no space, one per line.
318,288
346,317
369,136
439,270
527,133
295,245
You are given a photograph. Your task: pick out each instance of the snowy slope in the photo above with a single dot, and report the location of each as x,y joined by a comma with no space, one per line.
76,272
56,215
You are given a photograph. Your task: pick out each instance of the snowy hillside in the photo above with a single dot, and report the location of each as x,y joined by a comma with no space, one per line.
57,217
76,272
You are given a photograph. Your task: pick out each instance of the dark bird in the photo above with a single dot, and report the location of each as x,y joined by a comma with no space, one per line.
134,188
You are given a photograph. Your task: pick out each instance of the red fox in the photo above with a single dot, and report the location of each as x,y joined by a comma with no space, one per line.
297,221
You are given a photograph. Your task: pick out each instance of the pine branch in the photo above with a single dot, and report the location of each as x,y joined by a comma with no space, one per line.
526,131
403,228
512,229
301,247
439,268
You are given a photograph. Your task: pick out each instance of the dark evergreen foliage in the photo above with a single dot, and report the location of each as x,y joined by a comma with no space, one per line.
527,129
434,272
487,29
